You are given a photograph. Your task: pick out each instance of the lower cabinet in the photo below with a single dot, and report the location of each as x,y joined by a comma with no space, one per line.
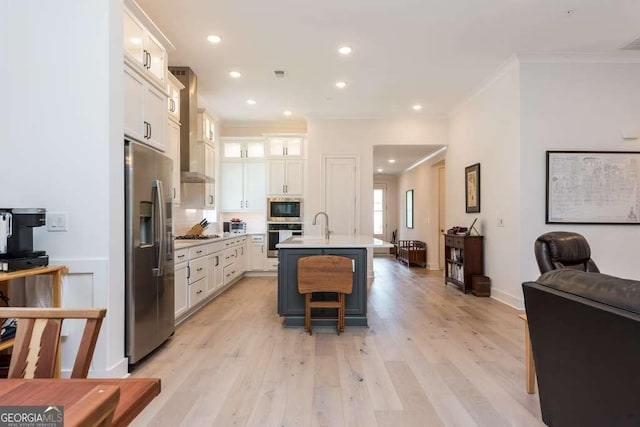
181,287
214,272
202,271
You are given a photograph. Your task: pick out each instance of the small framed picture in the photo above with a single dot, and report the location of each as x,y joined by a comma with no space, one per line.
472,188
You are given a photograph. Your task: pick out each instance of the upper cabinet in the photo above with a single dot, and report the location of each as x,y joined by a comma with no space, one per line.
173,90
242,148
285,147
145,78
141,47
206,127
145,110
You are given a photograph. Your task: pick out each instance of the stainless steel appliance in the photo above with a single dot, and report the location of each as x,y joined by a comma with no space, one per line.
16,239
234,227
149,276
284,209
276,232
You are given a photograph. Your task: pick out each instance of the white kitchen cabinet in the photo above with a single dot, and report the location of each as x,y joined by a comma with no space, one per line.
173,90
257,253
181,288
145,112
285,176
206,127
243,186
214,272
285,147
173,134
242,148
141,47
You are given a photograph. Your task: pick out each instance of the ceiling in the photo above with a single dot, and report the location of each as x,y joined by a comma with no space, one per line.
405,52
403,156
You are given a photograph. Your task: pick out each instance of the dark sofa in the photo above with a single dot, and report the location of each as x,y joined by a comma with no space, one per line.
585,336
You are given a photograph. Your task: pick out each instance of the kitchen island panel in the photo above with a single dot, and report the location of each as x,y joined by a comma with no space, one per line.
291,302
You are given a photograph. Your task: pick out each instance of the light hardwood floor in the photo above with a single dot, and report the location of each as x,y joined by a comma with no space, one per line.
430,357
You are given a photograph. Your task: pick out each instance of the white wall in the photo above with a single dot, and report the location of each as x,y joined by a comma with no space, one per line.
423,180
531,105
357,137
485,130
61,148
576,104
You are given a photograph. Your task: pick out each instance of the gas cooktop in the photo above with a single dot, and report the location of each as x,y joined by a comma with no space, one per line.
200,237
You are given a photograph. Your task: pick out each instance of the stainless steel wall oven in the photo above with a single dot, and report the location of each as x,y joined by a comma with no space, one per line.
276,232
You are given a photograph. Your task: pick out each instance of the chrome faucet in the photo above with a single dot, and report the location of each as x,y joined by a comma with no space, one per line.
327,232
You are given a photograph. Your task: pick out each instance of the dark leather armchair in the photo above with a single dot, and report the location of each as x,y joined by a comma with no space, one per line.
564,249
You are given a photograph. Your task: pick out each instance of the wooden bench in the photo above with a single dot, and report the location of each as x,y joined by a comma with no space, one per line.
412,252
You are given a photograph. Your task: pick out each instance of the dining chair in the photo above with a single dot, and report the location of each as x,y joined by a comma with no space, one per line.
37,340
327,274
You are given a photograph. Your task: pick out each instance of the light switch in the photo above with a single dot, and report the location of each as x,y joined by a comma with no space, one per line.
57,221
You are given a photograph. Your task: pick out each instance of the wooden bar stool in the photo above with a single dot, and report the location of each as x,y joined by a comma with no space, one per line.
325,273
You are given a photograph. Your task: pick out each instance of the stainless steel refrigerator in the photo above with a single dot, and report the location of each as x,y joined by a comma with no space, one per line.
149,276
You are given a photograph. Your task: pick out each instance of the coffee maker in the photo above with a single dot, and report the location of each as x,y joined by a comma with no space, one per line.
16,239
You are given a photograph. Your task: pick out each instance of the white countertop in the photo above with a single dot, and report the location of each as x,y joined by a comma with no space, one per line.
335,241
181,244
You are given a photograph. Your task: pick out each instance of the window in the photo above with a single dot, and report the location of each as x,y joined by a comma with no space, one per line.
379,211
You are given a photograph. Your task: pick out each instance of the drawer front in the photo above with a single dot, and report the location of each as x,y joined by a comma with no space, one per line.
181,255
229,256
198,269
212,248
197,291
230,272
455,241
197,251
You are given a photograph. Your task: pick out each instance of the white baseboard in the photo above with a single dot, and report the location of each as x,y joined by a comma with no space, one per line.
119,370
507,299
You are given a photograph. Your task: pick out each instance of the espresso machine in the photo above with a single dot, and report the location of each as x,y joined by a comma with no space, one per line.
16,239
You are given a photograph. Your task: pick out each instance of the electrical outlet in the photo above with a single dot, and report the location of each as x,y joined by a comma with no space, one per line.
500,222
57,221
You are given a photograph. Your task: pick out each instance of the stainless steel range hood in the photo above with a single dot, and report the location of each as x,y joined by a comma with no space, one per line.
189,125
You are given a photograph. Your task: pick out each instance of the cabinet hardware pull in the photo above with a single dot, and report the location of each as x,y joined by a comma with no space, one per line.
199,269
210,199
199,292
149,61
241,204
188,272
217,260
144,61
180,256
174,193
149,130
246,204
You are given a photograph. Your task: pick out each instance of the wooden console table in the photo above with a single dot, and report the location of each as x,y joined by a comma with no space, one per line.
56,272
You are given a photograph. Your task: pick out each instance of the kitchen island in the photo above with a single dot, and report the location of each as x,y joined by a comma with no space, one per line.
291,302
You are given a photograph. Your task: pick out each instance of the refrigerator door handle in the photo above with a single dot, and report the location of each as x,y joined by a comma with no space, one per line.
160,227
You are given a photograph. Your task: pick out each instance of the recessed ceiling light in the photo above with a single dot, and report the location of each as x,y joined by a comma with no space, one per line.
417,107
341,85
286,112
379,170
235,74
392,160
251,101
344,50
214,39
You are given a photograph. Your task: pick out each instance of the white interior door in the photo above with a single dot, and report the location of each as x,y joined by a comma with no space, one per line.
340,192
441,214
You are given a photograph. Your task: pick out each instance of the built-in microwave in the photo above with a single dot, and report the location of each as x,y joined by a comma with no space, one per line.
284,209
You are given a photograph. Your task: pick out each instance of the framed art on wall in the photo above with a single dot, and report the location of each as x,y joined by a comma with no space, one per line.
472,188
593,187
